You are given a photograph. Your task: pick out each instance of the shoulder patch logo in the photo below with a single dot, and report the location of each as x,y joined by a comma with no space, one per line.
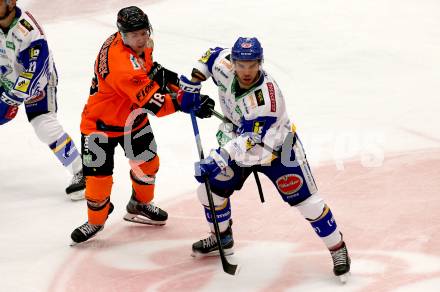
260,97
135,62
26,24
10,45
205,57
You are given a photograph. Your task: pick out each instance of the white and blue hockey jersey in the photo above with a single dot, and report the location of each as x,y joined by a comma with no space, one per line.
26,63
258,114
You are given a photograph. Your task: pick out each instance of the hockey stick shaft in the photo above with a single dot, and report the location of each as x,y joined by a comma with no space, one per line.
227,267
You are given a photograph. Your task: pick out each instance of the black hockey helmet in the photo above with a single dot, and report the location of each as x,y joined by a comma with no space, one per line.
132,18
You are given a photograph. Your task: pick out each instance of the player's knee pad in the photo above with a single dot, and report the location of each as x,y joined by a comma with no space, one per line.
47,127
203,197
98,191
312,207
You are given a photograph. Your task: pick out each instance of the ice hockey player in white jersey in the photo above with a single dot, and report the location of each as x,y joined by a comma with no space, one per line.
28,76
251,99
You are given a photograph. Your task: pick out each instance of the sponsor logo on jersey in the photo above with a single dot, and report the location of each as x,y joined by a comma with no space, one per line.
258,126
271,89
289,184
238,111
11,112
34,53
227,64
204,59
26,75
219,70
249,143
134,62
26,25
10,45
144,92
138,81
18,38
23,31
40,96
250,101
22,84
87,159
260,97
2,51
221,86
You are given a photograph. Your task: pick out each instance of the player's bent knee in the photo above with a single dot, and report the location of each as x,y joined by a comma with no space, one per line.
47,128
312,207
203,197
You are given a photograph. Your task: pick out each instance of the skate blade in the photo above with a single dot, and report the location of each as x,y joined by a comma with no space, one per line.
142,220
77,196
198,255
344,278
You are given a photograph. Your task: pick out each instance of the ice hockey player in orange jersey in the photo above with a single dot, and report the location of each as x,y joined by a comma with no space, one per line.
126,88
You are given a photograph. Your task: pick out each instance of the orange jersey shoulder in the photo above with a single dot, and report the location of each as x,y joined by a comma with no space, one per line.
121,85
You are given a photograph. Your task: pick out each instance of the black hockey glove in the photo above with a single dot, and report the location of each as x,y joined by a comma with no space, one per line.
207,104
163,76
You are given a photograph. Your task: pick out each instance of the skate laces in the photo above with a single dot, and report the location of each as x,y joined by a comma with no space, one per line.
77,177
87,228
151,208
210,241
340,256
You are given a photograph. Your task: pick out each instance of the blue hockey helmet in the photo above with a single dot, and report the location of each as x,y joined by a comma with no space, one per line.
247,49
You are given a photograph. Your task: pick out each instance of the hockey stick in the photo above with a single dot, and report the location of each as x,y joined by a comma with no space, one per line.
257,178
227,267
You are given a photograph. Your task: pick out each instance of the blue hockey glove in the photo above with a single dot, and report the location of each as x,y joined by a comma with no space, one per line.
189,95
8,107
211,166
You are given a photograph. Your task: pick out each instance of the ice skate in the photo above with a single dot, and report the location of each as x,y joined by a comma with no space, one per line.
75,190
209,246
341,263
145,213
87,231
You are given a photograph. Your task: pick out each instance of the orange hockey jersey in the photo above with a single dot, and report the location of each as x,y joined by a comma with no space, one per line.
120,86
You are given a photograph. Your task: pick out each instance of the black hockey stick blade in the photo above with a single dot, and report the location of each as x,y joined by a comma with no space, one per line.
229,268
